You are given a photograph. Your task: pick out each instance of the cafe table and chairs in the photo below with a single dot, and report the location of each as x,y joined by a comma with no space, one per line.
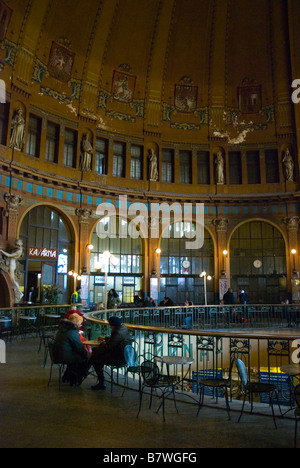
5,327
26,324
176,361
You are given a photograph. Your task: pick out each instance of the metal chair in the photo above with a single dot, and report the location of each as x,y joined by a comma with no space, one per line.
250,388
216,384
118,367
153,379
297,411
60,365
45,337
133,366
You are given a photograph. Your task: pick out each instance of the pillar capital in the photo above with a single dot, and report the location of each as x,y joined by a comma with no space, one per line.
83,215
220,224
292,223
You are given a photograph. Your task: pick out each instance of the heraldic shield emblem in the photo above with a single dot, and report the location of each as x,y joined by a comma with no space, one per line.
250,96
60,62
186,98
123,87
5,16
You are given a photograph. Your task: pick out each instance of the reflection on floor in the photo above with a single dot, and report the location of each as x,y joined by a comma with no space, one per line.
33,415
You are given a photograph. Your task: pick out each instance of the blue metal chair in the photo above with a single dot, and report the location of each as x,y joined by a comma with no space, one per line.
297,412
133,366
251,388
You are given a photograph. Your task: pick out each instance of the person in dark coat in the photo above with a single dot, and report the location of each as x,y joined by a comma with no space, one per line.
228,297
243,298
31,296
110,351
166,302
68,349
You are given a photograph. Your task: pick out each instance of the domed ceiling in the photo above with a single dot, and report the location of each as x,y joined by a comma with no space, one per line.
156,66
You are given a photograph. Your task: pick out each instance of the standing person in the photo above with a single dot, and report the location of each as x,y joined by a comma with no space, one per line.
76,296
228,297
113,300
31,296
243,298
69,349
110,351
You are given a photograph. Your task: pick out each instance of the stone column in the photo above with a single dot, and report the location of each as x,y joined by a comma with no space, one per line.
84,216
221,225
292,226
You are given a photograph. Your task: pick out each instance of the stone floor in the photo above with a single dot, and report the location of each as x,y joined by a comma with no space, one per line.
34,415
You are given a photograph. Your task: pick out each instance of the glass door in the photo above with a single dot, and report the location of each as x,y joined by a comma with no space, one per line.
48,274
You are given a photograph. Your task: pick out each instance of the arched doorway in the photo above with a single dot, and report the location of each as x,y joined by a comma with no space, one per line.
180,268
258,262
6,296
49,249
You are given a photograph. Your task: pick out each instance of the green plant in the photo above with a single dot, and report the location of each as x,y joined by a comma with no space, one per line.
50,294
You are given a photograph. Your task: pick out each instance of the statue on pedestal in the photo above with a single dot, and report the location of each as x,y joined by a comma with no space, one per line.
219,171
8,263
153,170
18,131
288,166
86,154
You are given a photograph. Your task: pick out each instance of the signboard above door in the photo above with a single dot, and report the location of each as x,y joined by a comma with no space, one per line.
42,252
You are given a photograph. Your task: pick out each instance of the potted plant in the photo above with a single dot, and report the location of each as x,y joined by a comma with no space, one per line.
51,294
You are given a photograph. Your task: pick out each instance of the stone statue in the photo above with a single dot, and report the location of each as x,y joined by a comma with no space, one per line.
219,171
86,154
288,166
153,166
18,131
12,203
8,263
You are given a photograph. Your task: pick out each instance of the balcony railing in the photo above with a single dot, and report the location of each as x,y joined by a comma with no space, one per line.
260,337
204,317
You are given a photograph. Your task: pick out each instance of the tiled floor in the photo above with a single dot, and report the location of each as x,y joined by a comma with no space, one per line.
33,415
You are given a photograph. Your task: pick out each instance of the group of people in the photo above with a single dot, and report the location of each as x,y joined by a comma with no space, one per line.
229,299
69,348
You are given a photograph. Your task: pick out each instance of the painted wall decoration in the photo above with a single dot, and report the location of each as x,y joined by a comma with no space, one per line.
60,62
5,17
186,98
250,100
123,86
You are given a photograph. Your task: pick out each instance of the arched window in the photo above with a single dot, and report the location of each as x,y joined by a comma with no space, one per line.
258,262
180,268
48,248
125,268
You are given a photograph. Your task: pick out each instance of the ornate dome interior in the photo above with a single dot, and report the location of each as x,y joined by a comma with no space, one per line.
158,100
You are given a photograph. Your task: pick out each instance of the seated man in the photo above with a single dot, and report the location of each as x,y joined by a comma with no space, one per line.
110,350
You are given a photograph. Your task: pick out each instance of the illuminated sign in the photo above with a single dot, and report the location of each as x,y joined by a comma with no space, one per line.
42,252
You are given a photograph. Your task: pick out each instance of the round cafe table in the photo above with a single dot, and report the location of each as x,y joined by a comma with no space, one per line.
176,361
91,343
6,325
293,370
